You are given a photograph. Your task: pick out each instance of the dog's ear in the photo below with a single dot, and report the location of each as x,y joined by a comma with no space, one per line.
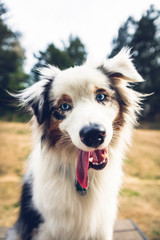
121,67
36,97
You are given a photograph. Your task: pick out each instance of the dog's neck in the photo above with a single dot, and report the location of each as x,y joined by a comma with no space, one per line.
63,164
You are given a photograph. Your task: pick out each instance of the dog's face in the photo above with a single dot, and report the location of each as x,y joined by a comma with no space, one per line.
88,105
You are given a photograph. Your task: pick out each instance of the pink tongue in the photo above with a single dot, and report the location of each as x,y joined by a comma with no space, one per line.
82,168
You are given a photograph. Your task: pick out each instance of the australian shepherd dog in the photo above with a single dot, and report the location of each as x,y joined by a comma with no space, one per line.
82,123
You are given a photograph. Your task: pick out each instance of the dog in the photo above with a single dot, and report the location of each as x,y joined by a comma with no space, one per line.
82,125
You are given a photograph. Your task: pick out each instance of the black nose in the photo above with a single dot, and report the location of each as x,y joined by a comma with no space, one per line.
93,135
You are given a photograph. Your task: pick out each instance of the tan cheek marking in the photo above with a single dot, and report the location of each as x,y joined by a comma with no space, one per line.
117,123
119,120
53,133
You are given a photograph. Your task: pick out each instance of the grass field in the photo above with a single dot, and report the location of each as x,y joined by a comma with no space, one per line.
140,195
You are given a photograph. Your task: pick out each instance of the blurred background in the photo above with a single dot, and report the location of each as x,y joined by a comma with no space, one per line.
34,33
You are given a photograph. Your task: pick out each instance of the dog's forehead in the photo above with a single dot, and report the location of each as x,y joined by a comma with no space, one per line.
79,80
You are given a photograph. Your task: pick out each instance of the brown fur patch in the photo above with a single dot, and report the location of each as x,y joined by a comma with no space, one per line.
119,120
64,99
119,97
52,133
122,102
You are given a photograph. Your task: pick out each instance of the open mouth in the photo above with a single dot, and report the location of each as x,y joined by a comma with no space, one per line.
97,160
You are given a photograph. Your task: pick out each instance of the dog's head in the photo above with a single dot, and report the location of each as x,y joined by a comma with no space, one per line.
86,104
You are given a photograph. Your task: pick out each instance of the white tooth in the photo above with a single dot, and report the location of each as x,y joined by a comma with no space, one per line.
91,159
102,161
95,163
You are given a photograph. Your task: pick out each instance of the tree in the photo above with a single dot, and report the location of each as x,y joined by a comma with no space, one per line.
76,50
143,37
125,34
54,56
73,53
11,55
12,58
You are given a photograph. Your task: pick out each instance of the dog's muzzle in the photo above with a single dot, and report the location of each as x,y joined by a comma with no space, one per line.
93,135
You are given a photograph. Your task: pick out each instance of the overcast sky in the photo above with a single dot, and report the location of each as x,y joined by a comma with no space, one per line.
96,22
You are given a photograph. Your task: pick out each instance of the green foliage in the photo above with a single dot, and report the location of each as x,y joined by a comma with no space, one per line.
156,233
12,57
143,37
74,53
53,56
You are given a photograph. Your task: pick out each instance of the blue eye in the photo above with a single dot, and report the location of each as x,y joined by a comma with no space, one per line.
65,107
101,97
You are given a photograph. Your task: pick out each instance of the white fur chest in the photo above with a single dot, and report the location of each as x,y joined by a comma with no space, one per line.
68,214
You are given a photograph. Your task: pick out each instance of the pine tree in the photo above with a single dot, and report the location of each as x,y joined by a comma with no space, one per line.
73,53
143,37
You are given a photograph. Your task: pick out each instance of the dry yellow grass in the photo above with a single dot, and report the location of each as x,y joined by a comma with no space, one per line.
15,143
140,195
139,198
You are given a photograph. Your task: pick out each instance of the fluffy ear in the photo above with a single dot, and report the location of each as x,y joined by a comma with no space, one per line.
36,97
121,67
